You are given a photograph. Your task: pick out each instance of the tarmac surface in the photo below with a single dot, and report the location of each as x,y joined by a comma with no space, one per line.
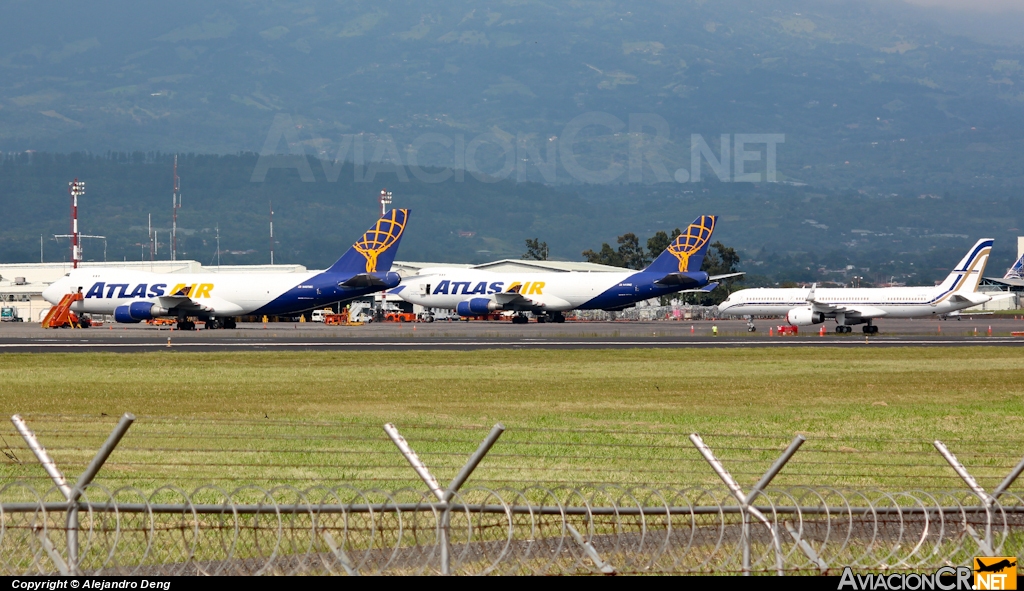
27,338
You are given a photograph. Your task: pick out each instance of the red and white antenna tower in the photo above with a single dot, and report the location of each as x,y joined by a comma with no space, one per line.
175,205
76,189
271,232
385,201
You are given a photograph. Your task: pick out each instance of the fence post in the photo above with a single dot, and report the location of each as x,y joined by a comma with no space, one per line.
444,496
73,494
988,500
744,500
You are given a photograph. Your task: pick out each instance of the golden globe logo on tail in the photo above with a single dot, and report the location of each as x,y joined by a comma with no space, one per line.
692,240
379,238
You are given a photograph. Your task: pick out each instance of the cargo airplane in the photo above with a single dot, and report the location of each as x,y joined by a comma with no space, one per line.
805,307
475,292
218,299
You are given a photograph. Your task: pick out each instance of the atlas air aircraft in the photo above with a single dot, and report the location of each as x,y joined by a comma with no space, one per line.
217,299
804,307
474,292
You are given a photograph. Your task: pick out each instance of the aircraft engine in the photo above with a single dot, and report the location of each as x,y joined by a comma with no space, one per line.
137,312
476,307
804,316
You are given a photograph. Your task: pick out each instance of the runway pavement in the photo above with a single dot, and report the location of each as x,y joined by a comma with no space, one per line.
21,338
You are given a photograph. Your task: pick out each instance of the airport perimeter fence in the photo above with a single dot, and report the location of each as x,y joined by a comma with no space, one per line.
647,313
514,528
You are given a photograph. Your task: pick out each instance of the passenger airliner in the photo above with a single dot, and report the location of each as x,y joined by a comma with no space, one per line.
217,299
473,292
804,307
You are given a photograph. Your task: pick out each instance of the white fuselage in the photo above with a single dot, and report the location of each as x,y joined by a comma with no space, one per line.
228,294
883,302
555,292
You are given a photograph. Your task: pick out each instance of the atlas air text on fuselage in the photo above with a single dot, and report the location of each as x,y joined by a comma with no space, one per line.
102,290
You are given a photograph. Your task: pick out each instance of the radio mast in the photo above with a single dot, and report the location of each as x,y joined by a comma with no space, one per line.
76,189
271,232
175,205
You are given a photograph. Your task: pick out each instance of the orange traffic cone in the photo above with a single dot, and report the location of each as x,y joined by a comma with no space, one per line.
769,331
990,330
821,332
691,329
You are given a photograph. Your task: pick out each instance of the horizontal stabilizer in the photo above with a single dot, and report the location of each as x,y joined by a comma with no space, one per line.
726,276
706,289
677,279
364,280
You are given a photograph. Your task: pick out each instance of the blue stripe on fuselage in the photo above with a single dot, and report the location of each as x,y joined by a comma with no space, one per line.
316,292
637,288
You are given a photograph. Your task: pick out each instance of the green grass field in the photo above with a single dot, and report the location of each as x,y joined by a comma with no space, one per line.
573,417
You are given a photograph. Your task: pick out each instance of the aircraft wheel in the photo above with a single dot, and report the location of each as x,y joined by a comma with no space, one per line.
541,320
866,329
751,329
212,324
559,319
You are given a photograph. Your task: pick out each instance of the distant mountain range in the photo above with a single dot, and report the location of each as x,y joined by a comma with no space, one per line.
875,96
781,231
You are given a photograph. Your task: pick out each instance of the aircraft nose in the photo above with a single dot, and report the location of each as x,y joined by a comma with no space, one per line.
54,292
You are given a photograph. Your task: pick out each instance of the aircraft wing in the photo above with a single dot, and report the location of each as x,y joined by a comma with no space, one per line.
862,311
974,299
852,311
183,302
187,304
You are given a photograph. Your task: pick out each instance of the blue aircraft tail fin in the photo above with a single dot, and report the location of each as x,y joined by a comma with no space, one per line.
686,253
1017,270
375,250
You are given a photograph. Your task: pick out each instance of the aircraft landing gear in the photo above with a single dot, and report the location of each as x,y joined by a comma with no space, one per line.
520,319
750,325
870,329
556,317
229,323
843,329
186,325
213,323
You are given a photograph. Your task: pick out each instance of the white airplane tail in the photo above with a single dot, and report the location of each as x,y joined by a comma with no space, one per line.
967,274
1017,270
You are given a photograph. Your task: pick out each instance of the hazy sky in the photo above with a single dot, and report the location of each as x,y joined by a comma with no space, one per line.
974,5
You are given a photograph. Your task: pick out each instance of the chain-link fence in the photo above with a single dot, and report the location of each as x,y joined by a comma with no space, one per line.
597,528
529,531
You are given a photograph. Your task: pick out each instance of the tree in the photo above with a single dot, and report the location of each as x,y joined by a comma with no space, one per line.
536,250
660,241
630,254
607,256
633,255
